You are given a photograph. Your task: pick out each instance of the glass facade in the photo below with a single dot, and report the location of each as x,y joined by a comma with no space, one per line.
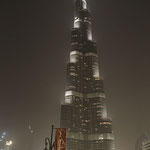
84,111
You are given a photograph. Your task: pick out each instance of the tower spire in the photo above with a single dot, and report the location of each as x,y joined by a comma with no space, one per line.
82,19
81,4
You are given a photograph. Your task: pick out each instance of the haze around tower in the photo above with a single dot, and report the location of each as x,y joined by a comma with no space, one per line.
34,49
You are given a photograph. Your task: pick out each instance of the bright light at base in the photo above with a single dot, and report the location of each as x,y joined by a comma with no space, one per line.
8,143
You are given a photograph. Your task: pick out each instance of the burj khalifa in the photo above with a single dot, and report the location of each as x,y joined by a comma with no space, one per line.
84,112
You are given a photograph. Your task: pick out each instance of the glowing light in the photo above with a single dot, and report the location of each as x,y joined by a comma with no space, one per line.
84,4
32,131
8,143
91,95
75,53
4,133
101,137
77,23
95,70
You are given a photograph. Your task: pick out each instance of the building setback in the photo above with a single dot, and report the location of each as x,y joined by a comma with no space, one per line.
84,111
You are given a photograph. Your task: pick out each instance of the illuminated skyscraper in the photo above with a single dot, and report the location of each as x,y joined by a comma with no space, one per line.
139,144
146,145
84,112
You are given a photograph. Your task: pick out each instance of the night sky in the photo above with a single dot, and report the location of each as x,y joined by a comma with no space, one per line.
34,50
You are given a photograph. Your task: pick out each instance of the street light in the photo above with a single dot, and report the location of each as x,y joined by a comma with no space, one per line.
49,141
